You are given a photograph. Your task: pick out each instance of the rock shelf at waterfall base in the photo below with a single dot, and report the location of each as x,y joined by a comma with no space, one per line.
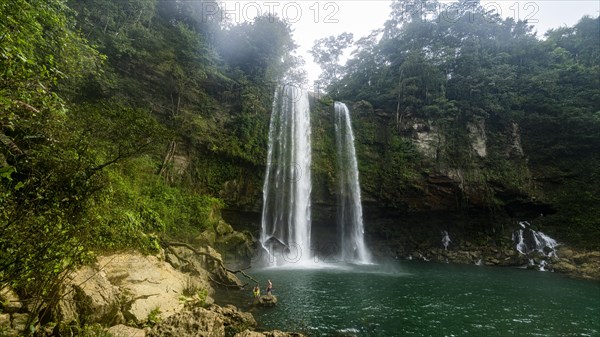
528,248
572,262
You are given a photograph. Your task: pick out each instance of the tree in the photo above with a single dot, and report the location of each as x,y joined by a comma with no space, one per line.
326,53
262,49
43,188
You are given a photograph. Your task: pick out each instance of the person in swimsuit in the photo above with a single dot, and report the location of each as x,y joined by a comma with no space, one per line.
269,287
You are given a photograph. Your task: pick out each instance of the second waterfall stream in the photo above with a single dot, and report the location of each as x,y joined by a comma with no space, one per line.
349,208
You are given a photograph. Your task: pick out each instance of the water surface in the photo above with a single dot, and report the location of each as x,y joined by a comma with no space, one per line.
429,299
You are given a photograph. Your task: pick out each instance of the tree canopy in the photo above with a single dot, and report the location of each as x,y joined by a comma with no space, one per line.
456,67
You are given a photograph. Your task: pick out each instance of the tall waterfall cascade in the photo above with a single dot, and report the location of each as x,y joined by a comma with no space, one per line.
349,209
286,219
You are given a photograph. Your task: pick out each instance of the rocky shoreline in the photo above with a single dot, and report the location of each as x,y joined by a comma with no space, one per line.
132,295
569,261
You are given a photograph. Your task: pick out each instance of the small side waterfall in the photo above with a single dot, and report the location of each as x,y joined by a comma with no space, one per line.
286,225
445,239
349,211
529,241
534,244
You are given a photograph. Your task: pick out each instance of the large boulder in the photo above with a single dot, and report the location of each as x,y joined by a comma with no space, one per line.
205,263
148,284
19,322
9,301
565,252
223,229
564,266
90,297
589,264
128,287
265,301
234,320
207,237
4,323
212,321
236,247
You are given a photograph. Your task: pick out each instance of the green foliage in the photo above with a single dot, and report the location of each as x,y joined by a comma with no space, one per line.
323,168
46,186
448,75
387,162
85,122
398,171
326,53
137,206
93,330
202,294
577,217
153,317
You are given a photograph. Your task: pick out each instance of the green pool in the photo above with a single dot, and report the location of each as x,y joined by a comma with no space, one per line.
427,299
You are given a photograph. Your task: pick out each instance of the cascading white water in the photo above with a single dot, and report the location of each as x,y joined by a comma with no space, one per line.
528,241
349,211
518,239
543,241
445,239
285,233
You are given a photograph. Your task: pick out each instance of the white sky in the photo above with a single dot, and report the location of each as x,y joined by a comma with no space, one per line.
312,20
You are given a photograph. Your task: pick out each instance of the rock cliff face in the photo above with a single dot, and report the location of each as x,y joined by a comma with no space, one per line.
419,177
475,178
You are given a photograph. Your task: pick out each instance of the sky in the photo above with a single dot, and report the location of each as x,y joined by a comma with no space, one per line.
312,20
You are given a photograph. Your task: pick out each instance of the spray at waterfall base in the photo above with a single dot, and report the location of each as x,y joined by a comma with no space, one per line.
324,253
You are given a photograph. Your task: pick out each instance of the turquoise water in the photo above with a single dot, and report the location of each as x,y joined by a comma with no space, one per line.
428,299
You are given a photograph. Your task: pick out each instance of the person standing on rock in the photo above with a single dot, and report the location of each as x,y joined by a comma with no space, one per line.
269,287
256,291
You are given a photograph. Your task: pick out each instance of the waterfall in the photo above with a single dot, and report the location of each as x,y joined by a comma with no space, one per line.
349,208
518,239
445,239
285,233
528,241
